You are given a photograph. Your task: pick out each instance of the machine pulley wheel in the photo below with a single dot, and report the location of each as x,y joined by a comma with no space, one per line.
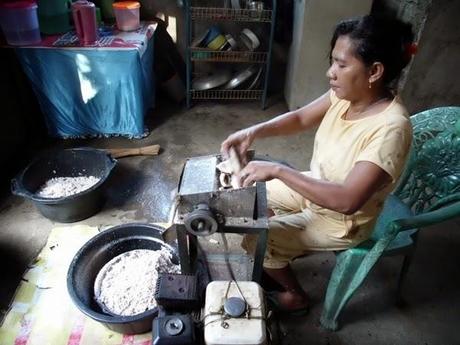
201,221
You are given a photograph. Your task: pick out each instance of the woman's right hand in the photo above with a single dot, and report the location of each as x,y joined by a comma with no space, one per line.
240,141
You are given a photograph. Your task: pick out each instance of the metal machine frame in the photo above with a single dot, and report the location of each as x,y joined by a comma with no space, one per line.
258,224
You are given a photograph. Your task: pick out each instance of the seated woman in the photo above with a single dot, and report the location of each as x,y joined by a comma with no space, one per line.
360,148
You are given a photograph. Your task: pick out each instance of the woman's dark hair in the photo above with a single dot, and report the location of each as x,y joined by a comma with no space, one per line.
378,39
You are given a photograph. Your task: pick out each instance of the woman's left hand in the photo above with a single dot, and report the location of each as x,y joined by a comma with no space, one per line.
256,171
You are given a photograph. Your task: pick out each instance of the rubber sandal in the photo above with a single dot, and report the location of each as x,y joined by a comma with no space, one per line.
274,304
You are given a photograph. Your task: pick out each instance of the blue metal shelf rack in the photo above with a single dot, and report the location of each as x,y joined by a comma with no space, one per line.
194,55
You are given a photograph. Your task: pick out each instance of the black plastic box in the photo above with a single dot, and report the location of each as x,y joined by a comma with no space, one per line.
177,292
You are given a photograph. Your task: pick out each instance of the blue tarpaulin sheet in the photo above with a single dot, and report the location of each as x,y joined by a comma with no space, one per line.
91,92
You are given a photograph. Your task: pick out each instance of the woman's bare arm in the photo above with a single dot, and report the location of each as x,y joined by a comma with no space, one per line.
289,123
348,197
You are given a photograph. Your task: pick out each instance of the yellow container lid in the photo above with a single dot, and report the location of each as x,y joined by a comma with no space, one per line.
217,42
123,5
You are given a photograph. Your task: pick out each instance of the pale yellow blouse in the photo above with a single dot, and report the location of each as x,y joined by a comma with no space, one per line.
383,139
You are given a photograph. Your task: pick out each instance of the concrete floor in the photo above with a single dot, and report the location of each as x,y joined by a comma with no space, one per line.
141,188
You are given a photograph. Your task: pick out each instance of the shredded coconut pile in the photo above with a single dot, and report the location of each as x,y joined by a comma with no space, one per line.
59,187
126,284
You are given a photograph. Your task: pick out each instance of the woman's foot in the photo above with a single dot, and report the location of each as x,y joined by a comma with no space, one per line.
293,298
288,302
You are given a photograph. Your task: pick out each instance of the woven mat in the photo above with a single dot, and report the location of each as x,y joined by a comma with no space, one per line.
42,312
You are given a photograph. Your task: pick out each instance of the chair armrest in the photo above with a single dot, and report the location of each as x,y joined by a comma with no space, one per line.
426,219
373,250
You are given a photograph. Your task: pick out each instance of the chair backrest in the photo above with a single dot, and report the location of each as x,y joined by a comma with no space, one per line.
431,177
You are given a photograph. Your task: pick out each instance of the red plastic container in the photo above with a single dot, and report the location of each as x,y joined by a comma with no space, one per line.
84,17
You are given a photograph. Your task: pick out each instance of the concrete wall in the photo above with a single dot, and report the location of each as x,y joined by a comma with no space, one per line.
433,77
429,81
314,21
409,11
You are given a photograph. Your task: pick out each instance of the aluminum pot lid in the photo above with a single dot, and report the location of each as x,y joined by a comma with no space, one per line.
212,81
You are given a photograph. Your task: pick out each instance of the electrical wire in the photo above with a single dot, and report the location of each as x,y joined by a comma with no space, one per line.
232,275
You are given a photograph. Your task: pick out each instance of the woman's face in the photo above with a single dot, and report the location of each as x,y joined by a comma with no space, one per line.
348,76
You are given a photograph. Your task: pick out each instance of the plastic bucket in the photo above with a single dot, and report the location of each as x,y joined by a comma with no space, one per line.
19,23
66,163
127,15
94,254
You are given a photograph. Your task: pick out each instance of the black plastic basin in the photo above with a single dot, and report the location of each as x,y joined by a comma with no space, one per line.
66,163
94,254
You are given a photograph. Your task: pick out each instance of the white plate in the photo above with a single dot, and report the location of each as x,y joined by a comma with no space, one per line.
249,39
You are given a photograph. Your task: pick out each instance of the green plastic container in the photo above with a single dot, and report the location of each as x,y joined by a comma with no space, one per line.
54,16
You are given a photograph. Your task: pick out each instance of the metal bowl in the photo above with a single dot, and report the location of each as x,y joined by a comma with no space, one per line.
212,81
94,254
241,77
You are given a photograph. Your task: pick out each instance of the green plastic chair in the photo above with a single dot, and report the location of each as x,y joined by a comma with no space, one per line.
428,193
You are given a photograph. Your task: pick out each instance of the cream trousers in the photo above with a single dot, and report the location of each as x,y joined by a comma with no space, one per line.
296,229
